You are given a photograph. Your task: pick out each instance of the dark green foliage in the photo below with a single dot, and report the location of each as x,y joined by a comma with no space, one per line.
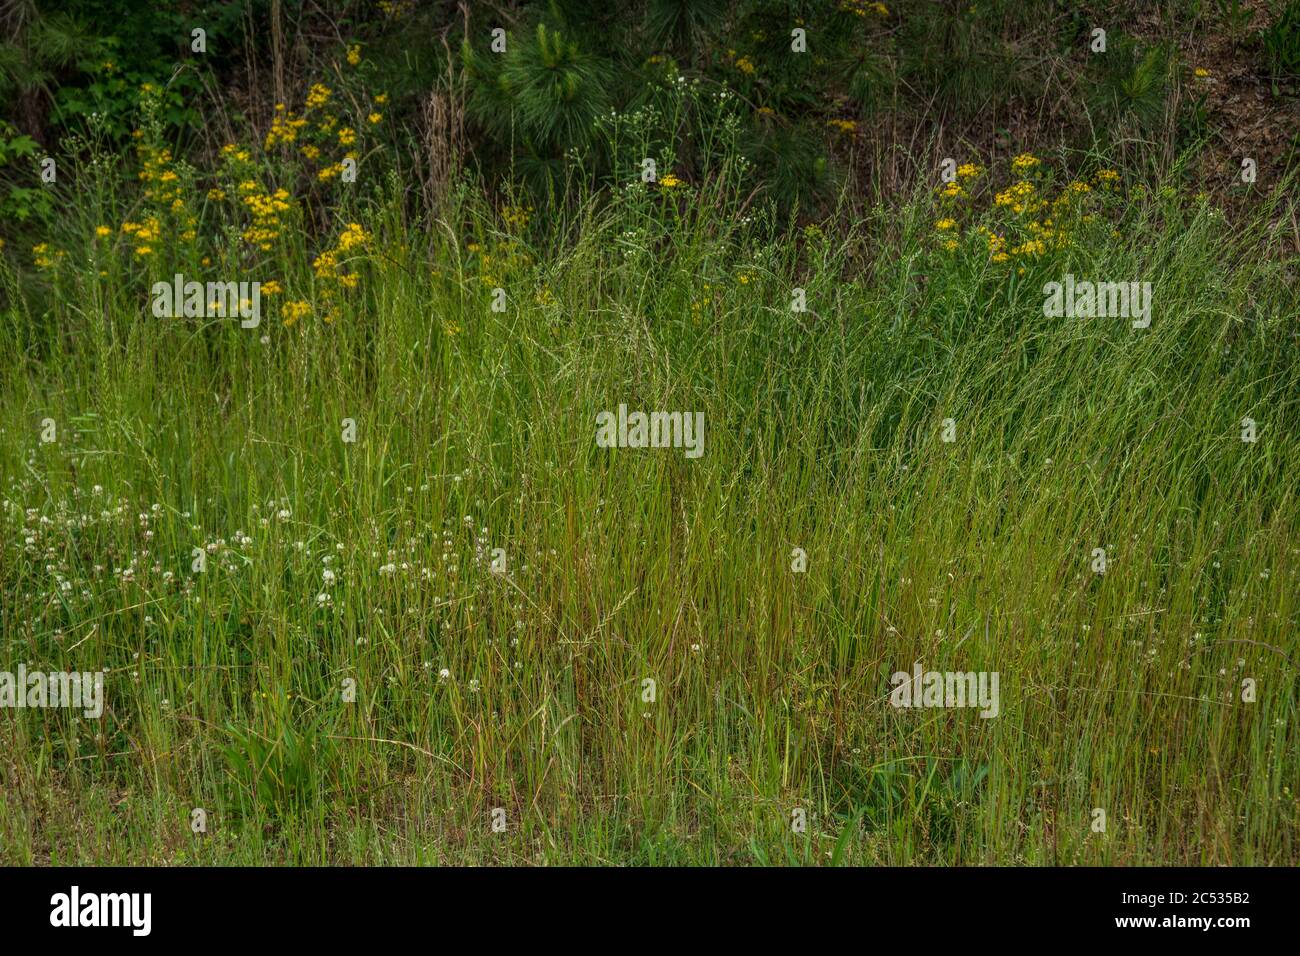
794,166
537,100
958,58
280,771
999,68
872,82
1133,84
64,61
21,197
683,26
1281,45
38,47
555,91
1234,16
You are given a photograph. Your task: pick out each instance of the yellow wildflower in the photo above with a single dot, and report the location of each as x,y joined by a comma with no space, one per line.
1014,196
44,257
352,236
318,96
293,311
519,216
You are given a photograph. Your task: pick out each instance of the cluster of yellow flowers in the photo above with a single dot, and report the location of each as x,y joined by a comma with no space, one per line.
710,299
44,257
318,96
294,310
843,125
1024,162
997,243
1036,236
744,64
162,182
327,173
1051,231
231,151
518,217
284,127
352,237
1018,196
1030,247
326,266
860,8
268,212
394,9
318,135
507,257
143,234
163,187
265,209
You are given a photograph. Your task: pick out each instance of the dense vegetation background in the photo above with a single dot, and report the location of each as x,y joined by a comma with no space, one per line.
364,587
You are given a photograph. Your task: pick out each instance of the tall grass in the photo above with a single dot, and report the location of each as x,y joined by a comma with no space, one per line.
475,431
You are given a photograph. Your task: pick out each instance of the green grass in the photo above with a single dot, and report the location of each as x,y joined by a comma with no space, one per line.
475,431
